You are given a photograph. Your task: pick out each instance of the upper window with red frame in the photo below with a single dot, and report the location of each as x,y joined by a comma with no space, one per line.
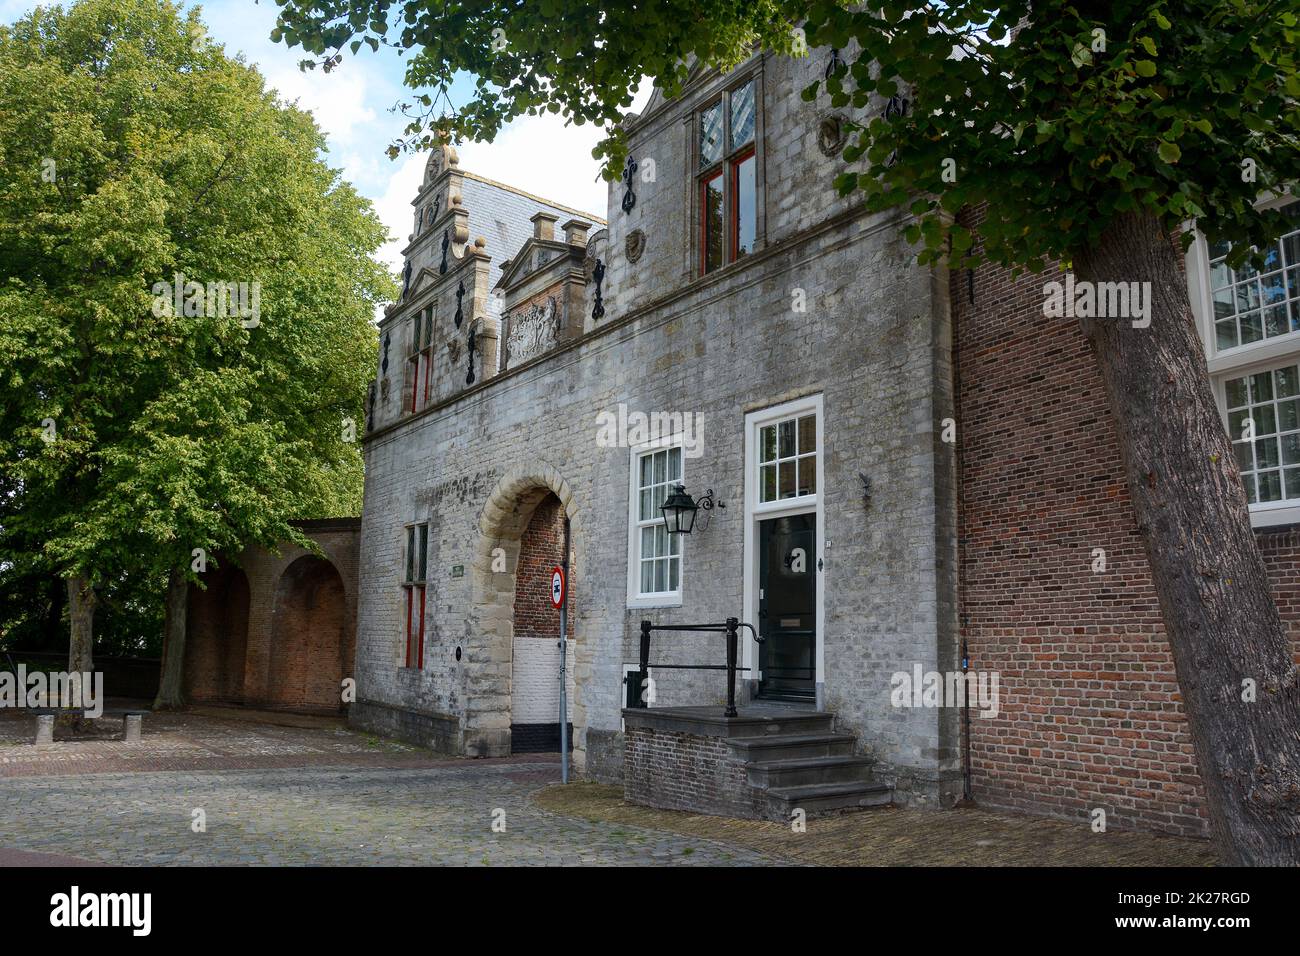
419,362
417,567
727,177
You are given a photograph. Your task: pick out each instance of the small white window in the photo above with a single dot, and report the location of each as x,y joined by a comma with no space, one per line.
655,561
787,459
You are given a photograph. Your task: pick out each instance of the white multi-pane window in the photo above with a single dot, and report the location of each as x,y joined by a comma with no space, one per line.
655,572
787,459
1250,320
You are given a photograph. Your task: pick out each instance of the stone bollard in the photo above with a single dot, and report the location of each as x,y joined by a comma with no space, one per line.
131,724
45,728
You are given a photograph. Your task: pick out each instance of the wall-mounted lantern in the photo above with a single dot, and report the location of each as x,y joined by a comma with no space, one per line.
679,510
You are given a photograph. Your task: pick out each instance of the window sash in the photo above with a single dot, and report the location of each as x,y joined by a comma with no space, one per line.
721,242
713,222
1247,306
787,458
657,554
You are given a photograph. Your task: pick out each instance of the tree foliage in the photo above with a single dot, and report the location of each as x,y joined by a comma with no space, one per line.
132,433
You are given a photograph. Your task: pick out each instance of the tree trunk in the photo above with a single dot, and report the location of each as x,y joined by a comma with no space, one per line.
81,617
1222,625
170,690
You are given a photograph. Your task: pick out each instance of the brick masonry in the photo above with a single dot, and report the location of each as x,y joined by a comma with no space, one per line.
683,771
277,630
1091,713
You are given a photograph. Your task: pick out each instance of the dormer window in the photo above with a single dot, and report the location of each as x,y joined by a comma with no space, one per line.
727,177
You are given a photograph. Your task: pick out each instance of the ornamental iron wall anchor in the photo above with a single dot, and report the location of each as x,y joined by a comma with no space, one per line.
460,294
388,338
598,273
835,62
446,242
473,347
629,197
896,107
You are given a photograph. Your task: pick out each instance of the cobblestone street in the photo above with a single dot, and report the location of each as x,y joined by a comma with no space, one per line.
280,790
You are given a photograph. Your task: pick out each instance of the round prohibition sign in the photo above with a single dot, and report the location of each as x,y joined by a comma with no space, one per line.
557,587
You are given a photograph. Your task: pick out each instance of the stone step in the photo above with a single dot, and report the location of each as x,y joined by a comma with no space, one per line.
805,771
791,746
820,798
790,721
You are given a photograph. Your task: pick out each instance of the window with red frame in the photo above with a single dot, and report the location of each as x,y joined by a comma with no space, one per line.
419,363
727,178
417,557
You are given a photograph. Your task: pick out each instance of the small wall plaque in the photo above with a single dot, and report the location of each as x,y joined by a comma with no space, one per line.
458,570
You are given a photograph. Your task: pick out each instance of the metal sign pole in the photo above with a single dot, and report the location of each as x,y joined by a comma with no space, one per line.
564,650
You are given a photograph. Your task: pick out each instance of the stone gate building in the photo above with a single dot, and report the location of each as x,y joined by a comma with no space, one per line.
887,474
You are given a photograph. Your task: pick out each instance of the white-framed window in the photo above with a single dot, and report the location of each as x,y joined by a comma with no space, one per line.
1249,321
787,457
654,555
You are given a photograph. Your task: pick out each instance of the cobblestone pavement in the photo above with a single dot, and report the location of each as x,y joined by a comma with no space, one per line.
893,837
310,793
331,817
276,789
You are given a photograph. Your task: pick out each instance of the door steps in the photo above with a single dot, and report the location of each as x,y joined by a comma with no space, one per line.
796,761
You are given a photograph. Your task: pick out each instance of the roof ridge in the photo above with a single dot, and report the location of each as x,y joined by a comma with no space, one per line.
533,196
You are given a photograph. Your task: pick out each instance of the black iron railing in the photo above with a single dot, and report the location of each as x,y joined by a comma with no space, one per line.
731,627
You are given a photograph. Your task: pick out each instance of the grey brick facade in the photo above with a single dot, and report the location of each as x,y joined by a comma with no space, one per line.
873,346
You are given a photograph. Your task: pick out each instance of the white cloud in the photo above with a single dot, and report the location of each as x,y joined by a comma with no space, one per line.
338,100
394,205
543,156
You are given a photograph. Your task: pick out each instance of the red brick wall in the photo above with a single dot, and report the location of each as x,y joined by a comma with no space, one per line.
541,548
277,642
216,637
308,638
1091,713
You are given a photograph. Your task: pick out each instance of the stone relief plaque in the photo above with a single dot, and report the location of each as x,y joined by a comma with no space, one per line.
532,331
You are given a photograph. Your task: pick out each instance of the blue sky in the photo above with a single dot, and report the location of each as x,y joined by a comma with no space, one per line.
352,105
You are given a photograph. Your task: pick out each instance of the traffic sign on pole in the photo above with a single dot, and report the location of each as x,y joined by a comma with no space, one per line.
557,587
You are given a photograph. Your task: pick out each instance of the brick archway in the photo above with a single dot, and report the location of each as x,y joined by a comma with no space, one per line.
488,661
217,637
308,636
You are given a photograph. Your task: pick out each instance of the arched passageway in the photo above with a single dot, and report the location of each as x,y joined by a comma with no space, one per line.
216,637
308,634
534,687
492,697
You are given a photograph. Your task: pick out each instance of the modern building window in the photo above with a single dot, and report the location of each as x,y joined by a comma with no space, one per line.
787,459
417,559
420,359
655,572
1252,305
1250,321
727,177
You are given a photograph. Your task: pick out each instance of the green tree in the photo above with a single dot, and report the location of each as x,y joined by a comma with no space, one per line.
1092,132
153,417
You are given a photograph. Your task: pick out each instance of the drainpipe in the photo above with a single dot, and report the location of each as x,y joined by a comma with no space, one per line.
564,649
